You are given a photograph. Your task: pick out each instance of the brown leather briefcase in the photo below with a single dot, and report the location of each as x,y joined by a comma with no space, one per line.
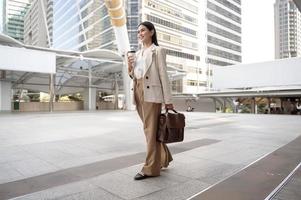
171,127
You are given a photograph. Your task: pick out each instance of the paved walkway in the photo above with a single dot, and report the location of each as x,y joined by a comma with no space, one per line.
94,155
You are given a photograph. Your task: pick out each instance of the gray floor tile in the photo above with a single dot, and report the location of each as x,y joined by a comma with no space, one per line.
60,191
95,194
8,174
12,154
202,169
33,167
180,191
124,186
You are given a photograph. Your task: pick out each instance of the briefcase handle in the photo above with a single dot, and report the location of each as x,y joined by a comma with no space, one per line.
166,110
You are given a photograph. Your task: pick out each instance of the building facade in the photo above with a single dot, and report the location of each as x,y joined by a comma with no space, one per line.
2,15
177,26
222,35
38,24
287,29
82,25
13,12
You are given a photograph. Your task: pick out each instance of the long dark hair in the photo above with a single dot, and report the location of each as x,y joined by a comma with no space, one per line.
150,26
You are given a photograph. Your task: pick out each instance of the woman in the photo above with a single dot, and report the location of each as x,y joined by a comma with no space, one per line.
151,89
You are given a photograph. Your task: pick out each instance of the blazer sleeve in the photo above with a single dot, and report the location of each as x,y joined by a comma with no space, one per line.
162,68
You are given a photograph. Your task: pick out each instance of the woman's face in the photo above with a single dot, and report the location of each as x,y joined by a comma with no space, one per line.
144,35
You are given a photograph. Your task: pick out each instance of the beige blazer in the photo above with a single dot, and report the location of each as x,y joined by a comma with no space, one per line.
156,84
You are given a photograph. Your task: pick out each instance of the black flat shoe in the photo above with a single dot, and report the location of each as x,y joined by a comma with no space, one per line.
141,176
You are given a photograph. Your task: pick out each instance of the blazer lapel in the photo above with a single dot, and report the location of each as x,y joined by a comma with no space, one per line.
149,58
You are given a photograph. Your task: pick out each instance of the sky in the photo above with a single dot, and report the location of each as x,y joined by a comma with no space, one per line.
257,31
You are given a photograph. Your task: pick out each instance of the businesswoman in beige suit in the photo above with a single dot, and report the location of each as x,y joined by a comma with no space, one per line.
151,89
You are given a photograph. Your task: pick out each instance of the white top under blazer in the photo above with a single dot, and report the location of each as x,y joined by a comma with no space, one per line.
139,70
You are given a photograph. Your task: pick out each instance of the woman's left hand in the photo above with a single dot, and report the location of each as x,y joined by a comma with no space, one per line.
169,106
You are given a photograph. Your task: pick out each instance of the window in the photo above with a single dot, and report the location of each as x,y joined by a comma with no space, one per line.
223,54
222,43
221,32
223,22
223,12
171,25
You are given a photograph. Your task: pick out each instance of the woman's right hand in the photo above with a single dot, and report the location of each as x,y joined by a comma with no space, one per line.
131,61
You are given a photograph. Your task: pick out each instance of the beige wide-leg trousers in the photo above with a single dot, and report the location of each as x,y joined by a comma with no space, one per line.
157,154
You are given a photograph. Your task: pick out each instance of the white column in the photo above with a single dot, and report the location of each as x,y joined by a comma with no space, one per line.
51,92
89,93
118,20
127,84
5,96
269,105
224,105
89,99
116,92
253,105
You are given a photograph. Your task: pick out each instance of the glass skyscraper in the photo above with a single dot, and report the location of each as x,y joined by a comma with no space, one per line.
13,12
82,25
2,15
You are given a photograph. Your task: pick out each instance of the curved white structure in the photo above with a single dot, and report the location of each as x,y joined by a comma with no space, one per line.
118,20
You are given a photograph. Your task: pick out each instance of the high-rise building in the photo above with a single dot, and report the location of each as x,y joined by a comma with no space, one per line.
221,33
177,26
2,14
287,29
38,23
13,12
82,25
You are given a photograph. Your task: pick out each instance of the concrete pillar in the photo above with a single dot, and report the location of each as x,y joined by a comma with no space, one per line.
127,87
269,105
51,92
89,93
89,98
224,104
214,104
253,106
5,96
116,92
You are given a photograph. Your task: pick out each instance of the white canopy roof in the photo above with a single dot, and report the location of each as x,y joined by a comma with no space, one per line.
9,41
72,69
